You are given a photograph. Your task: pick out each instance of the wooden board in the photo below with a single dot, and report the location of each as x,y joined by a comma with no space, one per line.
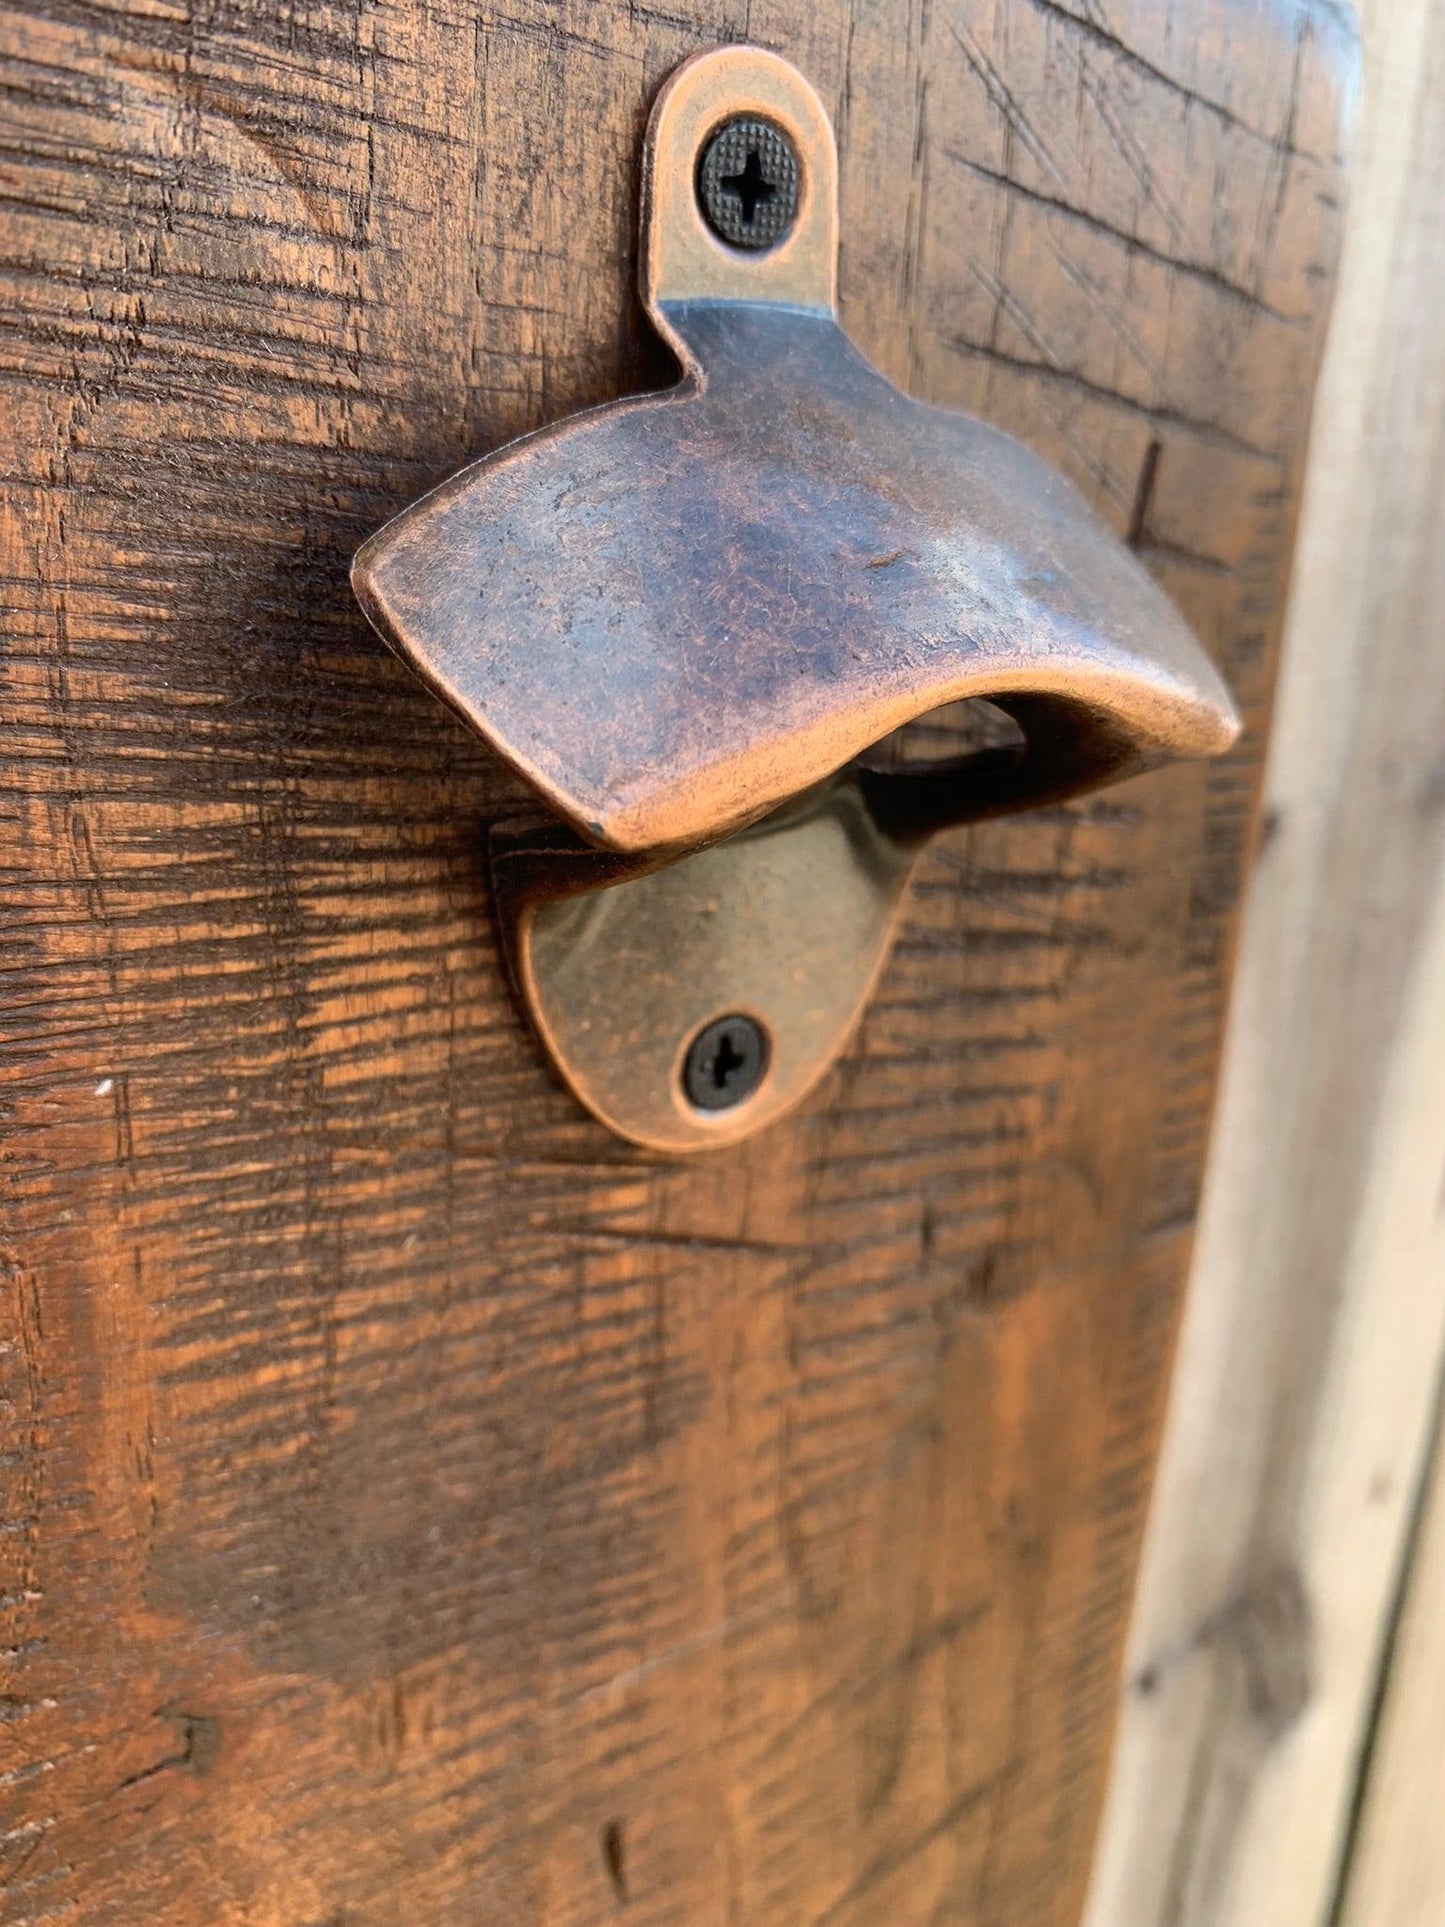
1313,1348
1397,1863
422,1507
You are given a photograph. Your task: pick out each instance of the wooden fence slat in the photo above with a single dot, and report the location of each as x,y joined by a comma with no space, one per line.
1397,1871
1310,1357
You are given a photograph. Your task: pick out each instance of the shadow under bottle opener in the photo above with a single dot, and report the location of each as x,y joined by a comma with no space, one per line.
685,617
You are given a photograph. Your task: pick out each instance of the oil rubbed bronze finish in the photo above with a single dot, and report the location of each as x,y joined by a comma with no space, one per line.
684,617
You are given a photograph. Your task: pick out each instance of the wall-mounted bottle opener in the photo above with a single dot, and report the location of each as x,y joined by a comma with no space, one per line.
686,617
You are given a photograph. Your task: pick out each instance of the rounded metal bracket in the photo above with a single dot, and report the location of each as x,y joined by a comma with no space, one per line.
785,926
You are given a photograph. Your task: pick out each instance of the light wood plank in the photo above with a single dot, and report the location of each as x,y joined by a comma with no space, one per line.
1311,1350
1397,1870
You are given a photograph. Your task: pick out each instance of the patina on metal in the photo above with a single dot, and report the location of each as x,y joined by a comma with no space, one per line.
683,617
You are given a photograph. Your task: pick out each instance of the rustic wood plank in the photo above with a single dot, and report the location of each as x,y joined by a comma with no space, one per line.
1314,1342
422,1507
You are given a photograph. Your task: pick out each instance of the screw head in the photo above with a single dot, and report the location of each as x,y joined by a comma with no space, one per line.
747,182
725,1063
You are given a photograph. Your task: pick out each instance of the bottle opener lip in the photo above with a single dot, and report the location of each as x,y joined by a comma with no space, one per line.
676,612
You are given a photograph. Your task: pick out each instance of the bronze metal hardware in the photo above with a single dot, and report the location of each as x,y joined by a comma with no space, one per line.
685,617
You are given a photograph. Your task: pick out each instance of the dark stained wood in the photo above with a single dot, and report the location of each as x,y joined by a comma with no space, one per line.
422,1508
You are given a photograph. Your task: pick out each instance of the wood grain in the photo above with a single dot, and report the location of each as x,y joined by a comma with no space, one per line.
422,1508
1313,1348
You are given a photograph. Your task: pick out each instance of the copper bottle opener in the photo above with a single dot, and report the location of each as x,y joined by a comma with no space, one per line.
685,617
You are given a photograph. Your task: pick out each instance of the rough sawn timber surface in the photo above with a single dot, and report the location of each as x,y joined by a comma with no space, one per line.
422,1508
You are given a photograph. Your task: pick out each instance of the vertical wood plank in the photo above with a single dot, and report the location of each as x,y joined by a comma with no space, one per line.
1396,1874
1313,1339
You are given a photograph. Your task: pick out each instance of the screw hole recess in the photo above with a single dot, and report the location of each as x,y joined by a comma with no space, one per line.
725,1063
748,180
